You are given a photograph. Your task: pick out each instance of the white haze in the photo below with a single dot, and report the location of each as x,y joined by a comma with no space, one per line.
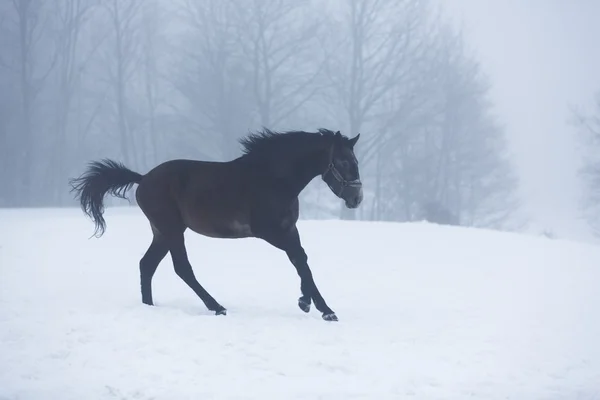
542,57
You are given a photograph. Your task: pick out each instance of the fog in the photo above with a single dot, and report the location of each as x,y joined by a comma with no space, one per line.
463,106
542,59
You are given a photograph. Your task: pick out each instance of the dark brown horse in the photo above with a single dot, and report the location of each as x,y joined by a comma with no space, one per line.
255,195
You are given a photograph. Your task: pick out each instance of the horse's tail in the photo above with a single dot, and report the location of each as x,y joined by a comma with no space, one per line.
102,177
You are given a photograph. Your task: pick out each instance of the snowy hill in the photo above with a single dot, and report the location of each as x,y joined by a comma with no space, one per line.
426,312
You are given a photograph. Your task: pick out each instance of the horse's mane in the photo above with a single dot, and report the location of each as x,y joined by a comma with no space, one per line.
268,144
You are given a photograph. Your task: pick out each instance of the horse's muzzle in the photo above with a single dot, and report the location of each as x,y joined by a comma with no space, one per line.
353,196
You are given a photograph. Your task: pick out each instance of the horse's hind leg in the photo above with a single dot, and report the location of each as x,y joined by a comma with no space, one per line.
168,228
156,252
183,269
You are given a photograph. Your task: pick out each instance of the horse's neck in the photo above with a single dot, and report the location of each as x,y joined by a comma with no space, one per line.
303,171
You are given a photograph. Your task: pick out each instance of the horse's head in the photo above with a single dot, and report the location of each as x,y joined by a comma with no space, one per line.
342,174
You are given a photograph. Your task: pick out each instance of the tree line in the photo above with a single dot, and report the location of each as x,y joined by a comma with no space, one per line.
144,81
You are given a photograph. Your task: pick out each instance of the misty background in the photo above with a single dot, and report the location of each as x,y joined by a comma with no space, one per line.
471,113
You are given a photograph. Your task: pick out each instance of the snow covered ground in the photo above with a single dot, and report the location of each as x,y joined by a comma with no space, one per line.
426,312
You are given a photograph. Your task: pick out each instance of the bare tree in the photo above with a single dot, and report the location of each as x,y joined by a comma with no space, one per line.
212,76
587,124
70,17
122,58
453,153
34,63
278,38
370,53
8,92
150,46
473,175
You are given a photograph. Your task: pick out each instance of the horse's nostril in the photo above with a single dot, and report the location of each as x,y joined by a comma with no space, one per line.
353,202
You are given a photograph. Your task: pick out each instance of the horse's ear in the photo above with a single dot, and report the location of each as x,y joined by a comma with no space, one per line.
354,140
338,135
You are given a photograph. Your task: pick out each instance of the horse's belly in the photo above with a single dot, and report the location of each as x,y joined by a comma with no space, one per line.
210,216
229,230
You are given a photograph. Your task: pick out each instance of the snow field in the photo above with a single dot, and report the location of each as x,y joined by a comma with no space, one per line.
426,312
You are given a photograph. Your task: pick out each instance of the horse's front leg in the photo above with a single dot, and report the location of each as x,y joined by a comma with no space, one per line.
289,241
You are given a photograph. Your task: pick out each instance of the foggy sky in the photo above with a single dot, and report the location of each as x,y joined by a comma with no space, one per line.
542,57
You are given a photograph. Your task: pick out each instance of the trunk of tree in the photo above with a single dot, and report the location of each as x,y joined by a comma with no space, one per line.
24,185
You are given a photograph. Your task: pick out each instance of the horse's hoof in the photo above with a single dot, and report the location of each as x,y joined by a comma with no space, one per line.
222,311
148,302
304,306
330,317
